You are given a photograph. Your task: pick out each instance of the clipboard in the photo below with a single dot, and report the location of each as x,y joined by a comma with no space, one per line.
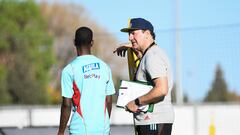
129,91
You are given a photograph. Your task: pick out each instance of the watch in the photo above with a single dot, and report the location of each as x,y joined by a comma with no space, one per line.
137,102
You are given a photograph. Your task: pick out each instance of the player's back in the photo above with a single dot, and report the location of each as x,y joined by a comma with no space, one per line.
91,77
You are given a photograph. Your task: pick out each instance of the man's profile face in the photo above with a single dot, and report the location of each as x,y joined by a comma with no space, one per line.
137,38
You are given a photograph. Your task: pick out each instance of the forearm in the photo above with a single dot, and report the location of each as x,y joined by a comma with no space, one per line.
158,92
65,114
109,105
154,96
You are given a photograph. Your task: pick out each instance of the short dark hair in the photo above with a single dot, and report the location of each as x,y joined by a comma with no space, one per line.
153,35
83,36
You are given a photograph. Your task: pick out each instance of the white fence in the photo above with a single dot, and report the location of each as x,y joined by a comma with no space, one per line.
189,119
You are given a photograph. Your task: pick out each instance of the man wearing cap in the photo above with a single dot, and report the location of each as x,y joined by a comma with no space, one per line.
155,69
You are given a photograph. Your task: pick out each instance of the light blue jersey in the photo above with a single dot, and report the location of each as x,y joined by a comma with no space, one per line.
88,80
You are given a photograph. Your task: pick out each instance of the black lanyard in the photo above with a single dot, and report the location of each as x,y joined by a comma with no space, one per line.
153,43
135,75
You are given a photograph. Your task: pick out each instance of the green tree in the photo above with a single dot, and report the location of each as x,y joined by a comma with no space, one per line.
63,20
219,91
25,47
234,96
5,96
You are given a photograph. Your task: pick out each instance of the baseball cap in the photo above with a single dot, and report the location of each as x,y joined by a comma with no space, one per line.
138,23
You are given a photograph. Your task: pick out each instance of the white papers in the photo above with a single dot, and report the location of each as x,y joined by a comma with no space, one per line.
129,91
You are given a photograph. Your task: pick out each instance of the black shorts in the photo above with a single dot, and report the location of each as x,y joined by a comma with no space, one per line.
154,129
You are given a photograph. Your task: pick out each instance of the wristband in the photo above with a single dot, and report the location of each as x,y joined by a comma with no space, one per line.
137,102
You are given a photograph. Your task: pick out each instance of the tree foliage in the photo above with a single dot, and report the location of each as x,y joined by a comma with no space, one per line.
5,97
26,51
219,91
62,21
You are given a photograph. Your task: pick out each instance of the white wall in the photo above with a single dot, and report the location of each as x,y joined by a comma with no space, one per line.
189,119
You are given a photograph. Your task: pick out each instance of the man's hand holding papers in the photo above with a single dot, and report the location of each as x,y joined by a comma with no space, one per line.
129,91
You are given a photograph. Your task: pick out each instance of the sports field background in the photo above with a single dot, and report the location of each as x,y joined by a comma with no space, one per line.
190,119
115,130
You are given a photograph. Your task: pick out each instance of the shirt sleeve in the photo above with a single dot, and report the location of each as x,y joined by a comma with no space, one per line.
155,66
67,83
110,90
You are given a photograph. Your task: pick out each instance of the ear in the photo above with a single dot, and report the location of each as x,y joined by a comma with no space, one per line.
92,42
148,32
74,42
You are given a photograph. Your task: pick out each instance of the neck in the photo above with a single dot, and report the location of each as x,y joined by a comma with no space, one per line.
83,51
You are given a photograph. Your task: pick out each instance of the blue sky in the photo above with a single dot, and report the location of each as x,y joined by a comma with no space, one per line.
209,35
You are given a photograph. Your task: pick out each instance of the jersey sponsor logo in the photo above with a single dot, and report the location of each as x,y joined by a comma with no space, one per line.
89,76
89,67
